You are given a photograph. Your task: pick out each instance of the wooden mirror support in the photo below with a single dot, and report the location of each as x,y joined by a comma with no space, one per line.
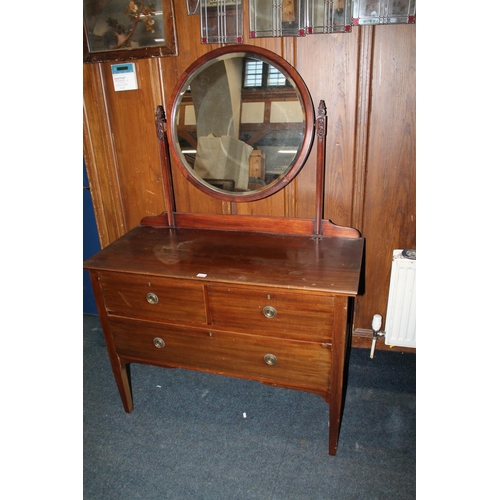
268,299
317,226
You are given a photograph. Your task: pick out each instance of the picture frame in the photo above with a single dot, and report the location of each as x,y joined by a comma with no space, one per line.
119,30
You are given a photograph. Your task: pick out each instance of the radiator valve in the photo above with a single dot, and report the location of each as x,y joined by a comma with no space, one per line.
376,326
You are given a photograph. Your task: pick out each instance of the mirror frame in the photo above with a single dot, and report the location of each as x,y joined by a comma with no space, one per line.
291,73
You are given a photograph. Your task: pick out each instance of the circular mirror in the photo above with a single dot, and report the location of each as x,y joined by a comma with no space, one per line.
241,123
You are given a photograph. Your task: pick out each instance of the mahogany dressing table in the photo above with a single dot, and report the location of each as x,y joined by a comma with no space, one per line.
261,298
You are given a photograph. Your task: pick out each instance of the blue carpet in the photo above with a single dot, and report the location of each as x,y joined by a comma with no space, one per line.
197,436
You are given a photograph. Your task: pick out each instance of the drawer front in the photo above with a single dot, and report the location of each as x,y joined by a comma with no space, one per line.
153,298
301,365
300,316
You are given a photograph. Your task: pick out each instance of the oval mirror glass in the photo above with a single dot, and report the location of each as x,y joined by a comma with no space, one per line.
241,123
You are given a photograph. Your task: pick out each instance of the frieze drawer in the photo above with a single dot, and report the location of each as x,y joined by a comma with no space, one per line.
293,315
301,365
150,297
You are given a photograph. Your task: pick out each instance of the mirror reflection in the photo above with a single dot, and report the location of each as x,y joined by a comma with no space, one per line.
240,123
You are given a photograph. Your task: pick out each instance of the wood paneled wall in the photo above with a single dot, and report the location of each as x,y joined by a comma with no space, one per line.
367,80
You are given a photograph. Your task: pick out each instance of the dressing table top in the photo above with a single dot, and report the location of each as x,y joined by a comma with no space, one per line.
300,262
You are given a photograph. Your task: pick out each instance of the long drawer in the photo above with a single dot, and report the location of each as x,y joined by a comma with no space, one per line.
154,298
294,315
289,363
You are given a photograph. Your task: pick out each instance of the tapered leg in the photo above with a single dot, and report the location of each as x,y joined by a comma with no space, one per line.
124,388
121,370
339,346
334,427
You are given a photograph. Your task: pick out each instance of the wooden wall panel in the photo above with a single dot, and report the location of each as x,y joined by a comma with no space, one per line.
389,219
100,158
134,136
273,205
367,80
331,76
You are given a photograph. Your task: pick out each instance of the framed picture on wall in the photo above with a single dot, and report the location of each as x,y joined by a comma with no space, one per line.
118,30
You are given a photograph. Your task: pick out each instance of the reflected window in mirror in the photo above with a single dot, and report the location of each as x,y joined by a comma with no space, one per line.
259,74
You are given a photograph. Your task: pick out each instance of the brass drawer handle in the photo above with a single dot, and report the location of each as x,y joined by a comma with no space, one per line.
152,298
270,359
269,312
158,342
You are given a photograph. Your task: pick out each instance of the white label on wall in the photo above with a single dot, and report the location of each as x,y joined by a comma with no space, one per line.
124,77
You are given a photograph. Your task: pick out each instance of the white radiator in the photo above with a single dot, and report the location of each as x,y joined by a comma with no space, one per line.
401,321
